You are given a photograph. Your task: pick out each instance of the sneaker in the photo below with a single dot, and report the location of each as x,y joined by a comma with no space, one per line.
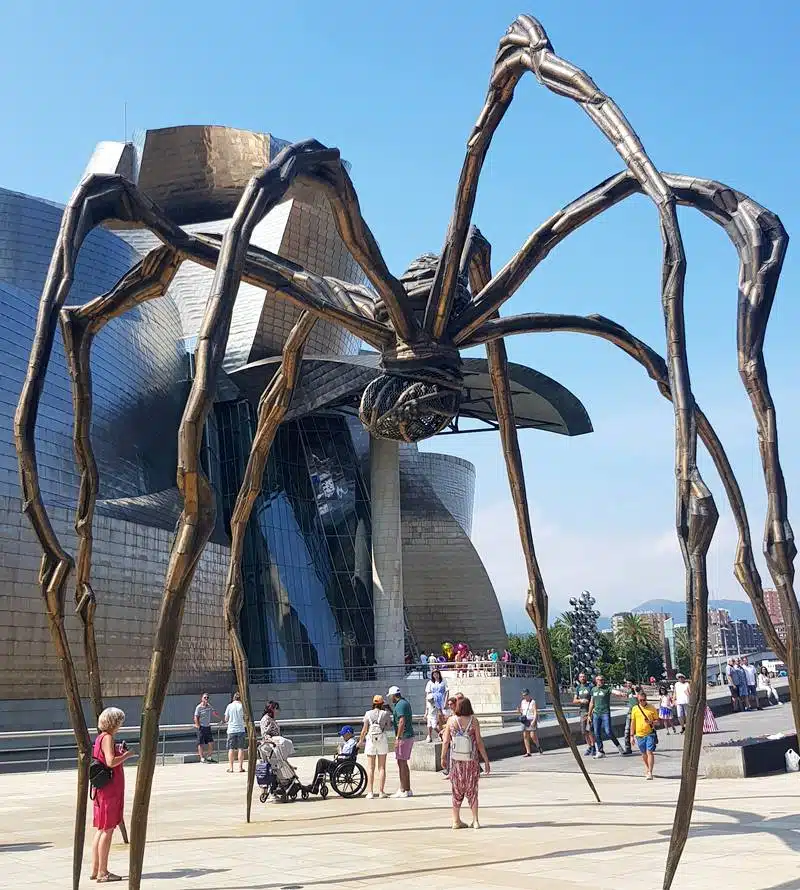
599,754
202,760
370,795
382,795
649,777
409,793
400,793
589,752
210,760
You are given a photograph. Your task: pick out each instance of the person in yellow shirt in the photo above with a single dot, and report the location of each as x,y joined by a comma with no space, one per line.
643,731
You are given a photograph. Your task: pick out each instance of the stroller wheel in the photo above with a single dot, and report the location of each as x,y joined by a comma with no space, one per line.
304,794
293,794
323,791
263,796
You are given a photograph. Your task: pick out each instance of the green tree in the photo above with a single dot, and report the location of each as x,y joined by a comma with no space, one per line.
526,648
682,653
638,648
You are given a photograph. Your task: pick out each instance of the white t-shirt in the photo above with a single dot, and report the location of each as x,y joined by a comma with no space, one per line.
681,693
750,673
234,717
527,708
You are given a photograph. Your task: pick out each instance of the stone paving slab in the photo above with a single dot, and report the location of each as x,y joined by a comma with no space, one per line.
541,831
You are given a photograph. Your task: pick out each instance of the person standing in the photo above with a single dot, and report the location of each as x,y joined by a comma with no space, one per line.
582,698
643,732
435,699
741,682
600,716
109,801
423,660
529,718
750,678
683,693
665,707
733,685
203,715
631,698
268,723
462,745
237,732
377,722
403,720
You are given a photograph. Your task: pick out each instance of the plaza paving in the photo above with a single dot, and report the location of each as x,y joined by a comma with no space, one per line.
540,831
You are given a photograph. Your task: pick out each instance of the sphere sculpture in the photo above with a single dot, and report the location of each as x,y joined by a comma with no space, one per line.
584,639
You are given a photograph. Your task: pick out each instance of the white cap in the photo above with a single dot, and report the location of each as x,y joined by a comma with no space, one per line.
394,690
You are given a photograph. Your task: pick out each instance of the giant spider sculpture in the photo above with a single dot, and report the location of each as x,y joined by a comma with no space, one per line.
419,324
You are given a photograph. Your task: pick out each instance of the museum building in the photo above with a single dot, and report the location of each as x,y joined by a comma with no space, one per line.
316,597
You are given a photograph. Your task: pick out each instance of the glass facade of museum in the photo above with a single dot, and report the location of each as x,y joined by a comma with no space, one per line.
306,567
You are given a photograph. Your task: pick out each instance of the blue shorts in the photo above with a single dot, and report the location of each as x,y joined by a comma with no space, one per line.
648,743
743,690
204,736
237,741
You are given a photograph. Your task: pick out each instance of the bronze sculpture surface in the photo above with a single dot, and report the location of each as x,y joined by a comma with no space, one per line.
418,323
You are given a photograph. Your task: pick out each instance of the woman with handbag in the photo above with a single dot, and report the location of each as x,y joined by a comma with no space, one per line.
377,722
643,732
108,788
529,718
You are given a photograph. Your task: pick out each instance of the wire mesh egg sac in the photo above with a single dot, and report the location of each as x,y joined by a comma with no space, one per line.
407,410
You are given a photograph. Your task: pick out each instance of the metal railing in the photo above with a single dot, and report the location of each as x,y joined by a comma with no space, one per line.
386,673
43,750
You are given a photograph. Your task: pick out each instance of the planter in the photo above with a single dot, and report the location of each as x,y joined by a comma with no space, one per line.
745,758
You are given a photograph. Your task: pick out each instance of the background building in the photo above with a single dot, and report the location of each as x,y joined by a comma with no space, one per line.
773,603
311,605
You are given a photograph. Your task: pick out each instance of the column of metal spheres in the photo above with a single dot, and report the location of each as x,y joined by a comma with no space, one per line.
584,640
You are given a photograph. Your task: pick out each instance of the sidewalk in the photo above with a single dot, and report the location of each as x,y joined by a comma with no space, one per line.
540,833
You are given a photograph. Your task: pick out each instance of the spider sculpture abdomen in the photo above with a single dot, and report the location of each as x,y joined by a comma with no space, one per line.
409,409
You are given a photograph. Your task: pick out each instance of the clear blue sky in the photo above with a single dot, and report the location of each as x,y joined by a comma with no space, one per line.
712,90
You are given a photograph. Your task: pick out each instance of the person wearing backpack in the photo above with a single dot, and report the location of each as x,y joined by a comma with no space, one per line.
108,790
462,745
377,722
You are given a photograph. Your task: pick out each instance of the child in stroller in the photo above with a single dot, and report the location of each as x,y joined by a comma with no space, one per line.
274,774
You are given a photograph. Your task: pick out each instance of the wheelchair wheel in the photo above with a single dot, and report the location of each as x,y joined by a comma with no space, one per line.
349,778
263,796
323,791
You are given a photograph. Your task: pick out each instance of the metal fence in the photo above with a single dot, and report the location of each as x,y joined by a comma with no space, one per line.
386,673
47,750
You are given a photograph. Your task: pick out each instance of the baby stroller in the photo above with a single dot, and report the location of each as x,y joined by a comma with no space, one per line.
275,775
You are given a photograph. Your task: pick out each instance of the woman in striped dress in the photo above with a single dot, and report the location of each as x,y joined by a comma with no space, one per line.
462,745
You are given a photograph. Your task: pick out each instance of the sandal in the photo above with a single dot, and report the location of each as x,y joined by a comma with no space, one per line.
108,877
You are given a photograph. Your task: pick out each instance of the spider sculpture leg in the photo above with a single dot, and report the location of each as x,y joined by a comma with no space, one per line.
272,409
79,325
745,567
760,241
99,198
476,262
197,519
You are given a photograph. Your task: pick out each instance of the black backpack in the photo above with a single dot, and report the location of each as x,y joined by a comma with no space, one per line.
99,776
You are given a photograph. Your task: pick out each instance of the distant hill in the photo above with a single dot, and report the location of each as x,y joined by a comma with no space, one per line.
739,609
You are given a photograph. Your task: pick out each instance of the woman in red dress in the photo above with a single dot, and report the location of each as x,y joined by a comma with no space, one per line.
110,799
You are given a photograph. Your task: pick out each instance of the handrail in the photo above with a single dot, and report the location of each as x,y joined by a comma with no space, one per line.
291,723
365,673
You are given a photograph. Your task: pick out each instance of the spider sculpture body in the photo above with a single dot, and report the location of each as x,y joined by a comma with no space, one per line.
418,323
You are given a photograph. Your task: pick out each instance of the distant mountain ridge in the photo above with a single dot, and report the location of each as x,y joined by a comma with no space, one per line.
739,609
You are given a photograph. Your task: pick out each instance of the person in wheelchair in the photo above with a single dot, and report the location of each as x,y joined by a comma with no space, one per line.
346,749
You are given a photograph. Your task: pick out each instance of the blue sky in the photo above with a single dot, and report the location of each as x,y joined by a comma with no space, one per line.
710,88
